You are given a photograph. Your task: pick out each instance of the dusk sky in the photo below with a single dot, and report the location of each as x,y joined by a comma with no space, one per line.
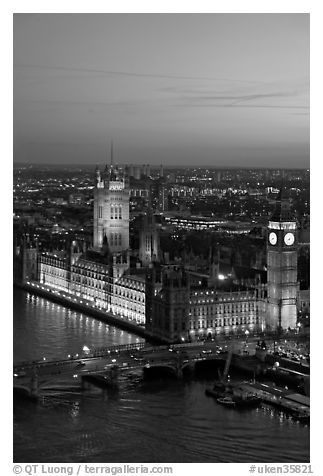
178,89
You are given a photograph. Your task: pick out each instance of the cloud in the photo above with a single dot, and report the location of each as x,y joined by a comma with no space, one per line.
77,103
133,74
260,106
242,98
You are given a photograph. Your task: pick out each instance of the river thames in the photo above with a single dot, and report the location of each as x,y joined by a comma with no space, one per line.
161,421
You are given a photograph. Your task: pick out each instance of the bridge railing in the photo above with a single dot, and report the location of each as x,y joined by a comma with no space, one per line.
103,351
170,361
95,352
106,351
116,348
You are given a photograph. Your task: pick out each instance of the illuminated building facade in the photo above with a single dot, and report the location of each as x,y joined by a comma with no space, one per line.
54,271
90,280
282,268
101,277
213,312
111,209
190,222
180,311
128,298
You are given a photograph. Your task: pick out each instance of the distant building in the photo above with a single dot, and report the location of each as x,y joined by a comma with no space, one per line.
304,231
140,188
76,199
137,171
159,195
186,221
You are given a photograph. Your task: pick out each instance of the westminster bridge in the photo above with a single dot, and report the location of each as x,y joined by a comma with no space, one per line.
103,366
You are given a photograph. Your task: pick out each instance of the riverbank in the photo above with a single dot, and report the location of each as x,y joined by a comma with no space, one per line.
89,308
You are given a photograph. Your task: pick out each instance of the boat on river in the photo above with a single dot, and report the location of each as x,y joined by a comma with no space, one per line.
242,401
226,401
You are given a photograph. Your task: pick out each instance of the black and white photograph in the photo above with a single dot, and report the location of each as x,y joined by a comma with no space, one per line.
161,240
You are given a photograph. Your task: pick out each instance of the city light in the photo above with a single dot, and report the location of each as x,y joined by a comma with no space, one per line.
197,264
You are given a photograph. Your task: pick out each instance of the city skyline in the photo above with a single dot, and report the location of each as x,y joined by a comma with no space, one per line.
219,89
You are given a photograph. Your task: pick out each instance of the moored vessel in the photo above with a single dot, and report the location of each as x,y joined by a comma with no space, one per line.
226,401
242,401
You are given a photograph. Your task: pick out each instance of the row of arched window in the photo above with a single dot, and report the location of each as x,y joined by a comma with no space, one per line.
224,309
223,322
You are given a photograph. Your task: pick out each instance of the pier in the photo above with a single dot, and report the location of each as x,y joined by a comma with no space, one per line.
285,400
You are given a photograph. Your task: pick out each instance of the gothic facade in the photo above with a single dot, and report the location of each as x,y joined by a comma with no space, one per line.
111,209
282,281
170,300
182,311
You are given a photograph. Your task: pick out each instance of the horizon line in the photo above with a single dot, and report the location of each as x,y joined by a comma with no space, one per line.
223,167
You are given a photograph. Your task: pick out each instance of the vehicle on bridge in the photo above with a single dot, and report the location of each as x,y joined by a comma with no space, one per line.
19,374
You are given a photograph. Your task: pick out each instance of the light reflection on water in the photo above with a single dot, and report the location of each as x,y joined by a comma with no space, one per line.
43,328
145,421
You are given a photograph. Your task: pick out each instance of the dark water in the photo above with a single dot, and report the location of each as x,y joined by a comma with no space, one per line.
164,421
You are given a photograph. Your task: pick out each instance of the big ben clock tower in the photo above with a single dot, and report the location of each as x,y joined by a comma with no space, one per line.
282,268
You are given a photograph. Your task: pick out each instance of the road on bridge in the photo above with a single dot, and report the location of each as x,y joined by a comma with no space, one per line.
126,359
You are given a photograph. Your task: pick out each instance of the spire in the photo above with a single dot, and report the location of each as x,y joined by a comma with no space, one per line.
106,171
111,155
97,174
282,209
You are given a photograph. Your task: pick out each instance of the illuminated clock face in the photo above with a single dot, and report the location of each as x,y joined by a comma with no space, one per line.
289,239
272,238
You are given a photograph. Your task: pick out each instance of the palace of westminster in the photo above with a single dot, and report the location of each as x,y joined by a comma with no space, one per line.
172,300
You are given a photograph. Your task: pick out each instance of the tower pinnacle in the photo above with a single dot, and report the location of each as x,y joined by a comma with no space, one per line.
111,154
282,210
